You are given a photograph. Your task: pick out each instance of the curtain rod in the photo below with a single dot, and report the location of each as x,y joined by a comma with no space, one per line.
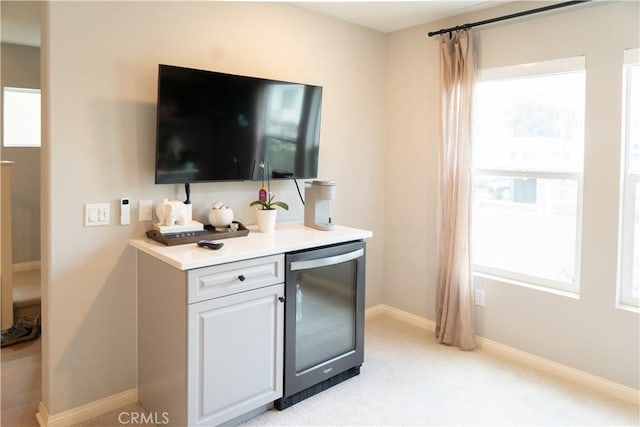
505,17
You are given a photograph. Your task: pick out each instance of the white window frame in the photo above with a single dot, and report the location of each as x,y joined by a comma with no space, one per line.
556,66
6,137
630,183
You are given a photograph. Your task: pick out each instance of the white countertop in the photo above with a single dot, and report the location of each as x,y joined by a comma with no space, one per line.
288,236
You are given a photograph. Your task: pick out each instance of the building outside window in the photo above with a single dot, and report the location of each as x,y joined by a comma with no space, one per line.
629,277
528,143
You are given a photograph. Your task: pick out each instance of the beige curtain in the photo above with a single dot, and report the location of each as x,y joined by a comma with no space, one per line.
454,302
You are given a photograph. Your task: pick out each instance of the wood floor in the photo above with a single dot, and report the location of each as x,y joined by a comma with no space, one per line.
20,373
20,364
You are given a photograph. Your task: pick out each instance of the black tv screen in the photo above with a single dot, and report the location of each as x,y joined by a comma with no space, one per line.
214,126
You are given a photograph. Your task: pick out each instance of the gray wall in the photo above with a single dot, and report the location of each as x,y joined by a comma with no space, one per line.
587,331
100,64
21,68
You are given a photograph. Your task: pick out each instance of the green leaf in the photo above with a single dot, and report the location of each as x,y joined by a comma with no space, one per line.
270,204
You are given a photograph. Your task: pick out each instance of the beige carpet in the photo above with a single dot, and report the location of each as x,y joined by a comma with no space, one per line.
409,379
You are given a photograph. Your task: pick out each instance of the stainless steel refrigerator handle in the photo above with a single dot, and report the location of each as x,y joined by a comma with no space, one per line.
323,262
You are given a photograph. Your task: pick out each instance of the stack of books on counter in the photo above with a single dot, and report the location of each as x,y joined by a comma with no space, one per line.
180,231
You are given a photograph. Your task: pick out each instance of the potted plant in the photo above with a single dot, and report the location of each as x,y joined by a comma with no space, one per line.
269,204
267,213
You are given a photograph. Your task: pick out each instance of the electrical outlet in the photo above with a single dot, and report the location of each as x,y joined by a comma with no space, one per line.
480,297
145,210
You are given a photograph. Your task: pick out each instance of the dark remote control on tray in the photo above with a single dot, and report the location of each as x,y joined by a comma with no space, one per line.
211,244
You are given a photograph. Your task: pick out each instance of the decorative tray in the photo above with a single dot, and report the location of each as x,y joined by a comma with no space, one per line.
191,237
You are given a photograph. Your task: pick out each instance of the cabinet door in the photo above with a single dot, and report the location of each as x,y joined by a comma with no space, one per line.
235,354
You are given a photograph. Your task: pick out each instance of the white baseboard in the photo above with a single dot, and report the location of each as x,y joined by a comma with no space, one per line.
86,412
586,379
26,266
421,322
374,311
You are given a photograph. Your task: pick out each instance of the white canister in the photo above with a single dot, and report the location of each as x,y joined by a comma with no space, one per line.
220,215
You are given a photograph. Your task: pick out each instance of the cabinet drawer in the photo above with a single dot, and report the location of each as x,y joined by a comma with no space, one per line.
234,277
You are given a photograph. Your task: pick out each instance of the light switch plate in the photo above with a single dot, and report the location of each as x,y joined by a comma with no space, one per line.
145,210
96,214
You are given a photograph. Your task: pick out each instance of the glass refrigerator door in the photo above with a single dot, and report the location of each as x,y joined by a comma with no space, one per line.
325,313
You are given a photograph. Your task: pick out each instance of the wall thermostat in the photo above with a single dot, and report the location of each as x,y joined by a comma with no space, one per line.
125,211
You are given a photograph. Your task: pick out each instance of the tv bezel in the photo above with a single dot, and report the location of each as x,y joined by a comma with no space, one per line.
255,175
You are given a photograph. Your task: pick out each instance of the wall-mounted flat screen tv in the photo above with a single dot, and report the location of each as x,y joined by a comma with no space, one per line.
214,126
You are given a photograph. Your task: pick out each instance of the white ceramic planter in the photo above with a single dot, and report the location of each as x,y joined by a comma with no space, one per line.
266,220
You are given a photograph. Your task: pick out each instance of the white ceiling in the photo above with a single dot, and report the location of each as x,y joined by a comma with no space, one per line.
391,15
21,19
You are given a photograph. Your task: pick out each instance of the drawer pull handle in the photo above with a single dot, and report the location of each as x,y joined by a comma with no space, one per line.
281,299
241,278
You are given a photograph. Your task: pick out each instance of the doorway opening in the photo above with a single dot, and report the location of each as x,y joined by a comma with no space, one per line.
21,367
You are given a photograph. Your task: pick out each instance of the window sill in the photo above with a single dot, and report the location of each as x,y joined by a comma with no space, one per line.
559,292
627,307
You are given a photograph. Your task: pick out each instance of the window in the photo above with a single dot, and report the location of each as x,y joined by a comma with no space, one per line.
21,117
528,143
629,283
